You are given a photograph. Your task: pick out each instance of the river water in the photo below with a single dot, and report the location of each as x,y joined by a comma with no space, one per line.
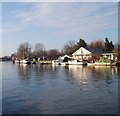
47,89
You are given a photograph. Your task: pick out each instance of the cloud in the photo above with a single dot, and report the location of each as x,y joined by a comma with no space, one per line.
75,17
9,29
68,18
0,29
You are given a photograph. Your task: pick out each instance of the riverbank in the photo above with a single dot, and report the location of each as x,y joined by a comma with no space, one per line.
67,63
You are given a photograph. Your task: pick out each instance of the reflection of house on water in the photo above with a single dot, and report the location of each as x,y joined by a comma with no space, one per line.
108,74
107,70
80,74
86,75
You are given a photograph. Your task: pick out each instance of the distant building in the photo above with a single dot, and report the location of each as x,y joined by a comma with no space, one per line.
82,54
64,58
5,58
111,56
87,53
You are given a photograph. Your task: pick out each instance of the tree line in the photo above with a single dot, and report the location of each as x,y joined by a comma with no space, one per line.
72,46
25,49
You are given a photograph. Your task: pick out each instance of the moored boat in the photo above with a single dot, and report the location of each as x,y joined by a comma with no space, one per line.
55,62
105,64
76,62
90,64
24,61
17,61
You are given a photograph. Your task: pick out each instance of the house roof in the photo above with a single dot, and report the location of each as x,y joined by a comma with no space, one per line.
62,57
82,51
108,53
95,50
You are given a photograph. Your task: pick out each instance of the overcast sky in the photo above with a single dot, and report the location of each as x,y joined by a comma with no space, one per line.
55,23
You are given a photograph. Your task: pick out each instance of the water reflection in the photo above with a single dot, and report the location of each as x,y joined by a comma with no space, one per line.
37,72
82,74
59,89
79,73
90,75
0,88
23,71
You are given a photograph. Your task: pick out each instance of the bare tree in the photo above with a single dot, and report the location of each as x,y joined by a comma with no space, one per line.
53,54
97,44
39,50
70,47
24,51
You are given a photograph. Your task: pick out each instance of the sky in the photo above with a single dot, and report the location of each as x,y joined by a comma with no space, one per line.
55,23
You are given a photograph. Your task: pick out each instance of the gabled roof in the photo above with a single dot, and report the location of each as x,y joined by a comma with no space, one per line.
62,57
82,51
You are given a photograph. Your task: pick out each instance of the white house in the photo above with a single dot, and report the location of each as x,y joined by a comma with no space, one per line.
111,56
63,57
82,54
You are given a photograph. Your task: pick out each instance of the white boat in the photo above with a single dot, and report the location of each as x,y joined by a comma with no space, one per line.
24,61
90,64
17,61
55,62
63,63
76,62
104,64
